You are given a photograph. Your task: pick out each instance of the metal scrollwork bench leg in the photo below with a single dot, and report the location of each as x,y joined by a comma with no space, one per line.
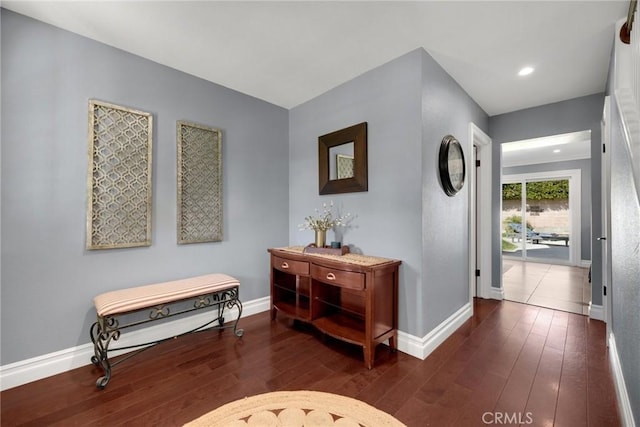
229,299
102,332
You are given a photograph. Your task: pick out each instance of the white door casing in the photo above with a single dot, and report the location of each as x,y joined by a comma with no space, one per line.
480,238
606,215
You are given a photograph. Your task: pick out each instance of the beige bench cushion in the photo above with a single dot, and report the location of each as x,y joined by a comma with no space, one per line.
131,299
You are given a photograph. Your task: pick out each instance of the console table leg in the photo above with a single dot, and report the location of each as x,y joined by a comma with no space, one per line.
392,344
369,352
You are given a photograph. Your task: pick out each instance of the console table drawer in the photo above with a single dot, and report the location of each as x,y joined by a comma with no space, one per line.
290,266
345,279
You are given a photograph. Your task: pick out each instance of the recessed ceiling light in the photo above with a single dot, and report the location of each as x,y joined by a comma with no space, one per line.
557,150
525,71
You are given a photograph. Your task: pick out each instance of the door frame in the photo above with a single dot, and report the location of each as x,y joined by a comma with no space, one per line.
482,208
575,213
606,216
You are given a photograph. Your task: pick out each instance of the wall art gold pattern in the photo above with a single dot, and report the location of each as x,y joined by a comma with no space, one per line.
199,183
344,164
119,177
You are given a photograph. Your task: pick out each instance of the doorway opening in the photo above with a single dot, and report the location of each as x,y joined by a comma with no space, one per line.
545,218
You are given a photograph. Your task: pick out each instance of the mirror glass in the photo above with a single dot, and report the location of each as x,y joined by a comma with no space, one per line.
341,161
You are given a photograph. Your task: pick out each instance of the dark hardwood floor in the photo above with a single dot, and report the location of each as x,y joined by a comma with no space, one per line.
511,362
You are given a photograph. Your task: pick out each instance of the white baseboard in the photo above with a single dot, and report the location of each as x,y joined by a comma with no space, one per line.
624,404
585,263
497,293
422,347
596,312
26,371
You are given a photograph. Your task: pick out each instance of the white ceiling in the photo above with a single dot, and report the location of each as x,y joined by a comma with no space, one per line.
557,148
289,52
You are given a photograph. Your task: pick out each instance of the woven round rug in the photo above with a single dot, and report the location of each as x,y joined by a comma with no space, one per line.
296,409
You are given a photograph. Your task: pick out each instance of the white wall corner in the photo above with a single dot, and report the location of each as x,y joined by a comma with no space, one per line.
37,368
596,312
624,404
423,347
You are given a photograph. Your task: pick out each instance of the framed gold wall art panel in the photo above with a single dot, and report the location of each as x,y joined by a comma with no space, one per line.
199,183
119,177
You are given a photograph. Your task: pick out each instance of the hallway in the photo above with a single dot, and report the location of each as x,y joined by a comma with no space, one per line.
559,287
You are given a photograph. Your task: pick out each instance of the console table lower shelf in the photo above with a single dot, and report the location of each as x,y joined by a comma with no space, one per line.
352,297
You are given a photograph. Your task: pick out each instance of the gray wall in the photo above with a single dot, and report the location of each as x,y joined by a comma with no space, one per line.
624,289
574,115
625,267
585,193
387,218
48,278
446,109
409,105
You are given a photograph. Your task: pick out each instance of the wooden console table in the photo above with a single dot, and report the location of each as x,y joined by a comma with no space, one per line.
351,297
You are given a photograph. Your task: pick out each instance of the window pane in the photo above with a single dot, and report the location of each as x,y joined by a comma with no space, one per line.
548,219
512,219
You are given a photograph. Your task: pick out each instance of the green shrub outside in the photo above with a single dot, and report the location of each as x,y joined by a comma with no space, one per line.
516,219
508,246
538,190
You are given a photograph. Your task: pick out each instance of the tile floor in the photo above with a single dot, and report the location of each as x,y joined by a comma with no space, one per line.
558,287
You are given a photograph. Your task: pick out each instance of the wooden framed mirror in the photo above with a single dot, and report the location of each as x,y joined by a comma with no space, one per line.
342,160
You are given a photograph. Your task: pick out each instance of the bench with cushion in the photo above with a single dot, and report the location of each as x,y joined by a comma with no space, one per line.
122,309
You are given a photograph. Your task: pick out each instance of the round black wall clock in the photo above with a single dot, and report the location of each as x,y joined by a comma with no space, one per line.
451,165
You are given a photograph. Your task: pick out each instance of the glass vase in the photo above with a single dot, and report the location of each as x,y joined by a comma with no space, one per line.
321,237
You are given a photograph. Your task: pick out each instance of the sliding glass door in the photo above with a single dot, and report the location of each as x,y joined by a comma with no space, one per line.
541,217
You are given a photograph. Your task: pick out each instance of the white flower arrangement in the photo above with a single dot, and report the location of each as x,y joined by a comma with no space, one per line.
325,220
